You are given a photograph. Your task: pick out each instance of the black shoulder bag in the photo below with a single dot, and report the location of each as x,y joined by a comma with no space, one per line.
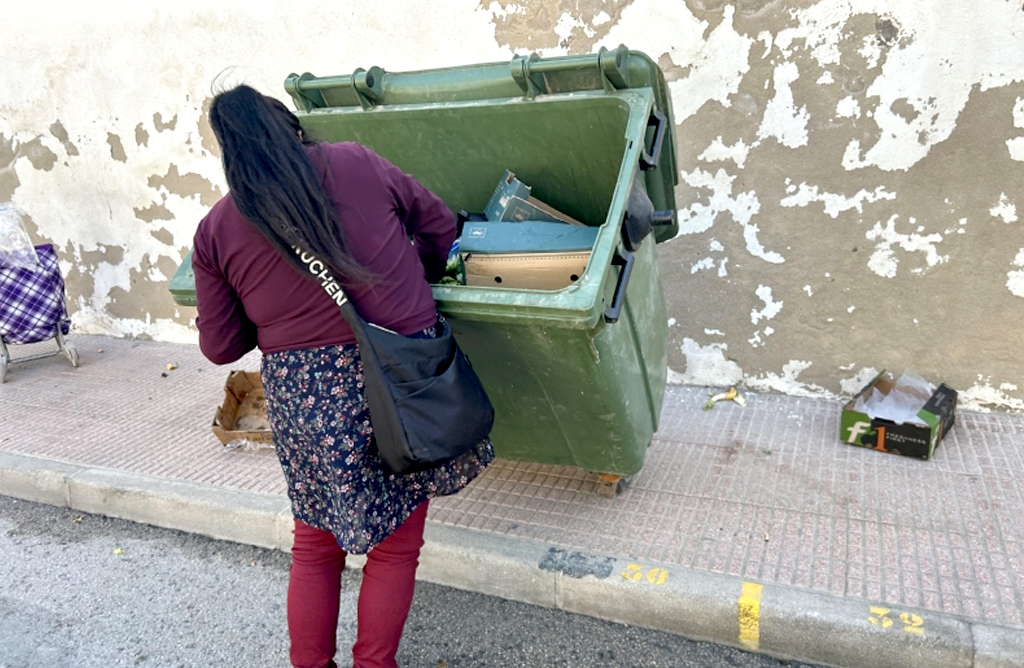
426,403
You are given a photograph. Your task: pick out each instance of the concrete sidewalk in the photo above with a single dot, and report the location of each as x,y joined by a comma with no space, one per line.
752,527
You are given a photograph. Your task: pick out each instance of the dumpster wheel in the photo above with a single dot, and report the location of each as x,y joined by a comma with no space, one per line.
609,485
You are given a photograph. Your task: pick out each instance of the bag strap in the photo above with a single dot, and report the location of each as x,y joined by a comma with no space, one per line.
319,269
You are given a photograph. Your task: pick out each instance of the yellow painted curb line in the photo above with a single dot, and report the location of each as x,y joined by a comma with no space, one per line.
749,615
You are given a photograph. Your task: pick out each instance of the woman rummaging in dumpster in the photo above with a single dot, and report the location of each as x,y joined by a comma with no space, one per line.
356,211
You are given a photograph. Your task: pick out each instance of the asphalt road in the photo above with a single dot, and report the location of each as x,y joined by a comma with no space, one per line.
86,591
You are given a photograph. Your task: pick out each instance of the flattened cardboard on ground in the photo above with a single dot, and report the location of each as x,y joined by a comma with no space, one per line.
243,415
911,439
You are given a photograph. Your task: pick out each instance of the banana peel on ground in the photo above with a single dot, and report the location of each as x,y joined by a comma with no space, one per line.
731,395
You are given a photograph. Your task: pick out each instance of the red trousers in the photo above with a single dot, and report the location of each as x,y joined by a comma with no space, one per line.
314,592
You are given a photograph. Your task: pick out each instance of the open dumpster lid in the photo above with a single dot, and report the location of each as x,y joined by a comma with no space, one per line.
525,78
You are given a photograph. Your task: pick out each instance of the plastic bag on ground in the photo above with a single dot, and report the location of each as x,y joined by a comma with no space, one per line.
16,248
907,397
911,383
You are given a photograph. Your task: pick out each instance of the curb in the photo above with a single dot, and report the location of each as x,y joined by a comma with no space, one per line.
263,520
784,622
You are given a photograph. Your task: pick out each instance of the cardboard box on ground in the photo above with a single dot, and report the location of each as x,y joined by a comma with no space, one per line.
908,416
241,421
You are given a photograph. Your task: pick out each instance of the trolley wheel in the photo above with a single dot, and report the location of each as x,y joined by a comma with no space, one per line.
3,369
72,354
609,485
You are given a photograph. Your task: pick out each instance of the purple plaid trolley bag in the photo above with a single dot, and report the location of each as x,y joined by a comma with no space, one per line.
32,308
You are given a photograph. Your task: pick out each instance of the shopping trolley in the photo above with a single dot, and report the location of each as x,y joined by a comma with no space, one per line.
32,308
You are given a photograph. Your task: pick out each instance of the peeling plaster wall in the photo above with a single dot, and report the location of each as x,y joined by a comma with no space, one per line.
104,142
848,198
848,194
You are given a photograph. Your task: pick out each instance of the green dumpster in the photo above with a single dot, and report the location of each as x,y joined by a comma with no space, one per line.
577,375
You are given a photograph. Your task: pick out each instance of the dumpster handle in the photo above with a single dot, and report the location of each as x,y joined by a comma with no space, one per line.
368,86
624,260
531,82
649,159
304,99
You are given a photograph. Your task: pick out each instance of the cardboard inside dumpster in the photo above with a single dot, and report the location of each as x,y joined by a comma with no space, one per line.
242,418
917,438
524,243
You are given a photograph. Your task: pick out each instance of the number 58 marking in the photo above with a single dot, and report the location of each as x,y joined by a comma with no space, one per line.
911,622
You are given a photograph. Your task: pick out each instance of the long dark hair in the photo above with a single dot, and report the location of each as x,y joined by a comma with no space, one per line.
275,184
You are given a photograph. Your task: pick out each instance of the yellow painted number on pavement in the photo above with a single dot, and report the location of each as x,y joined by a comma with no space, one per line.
911,623
880,617
657,576
637,573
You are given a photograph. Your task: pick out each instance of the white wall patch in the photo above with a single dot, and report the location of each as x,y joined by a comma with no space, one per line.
1016,148
787,383
782,120
1016,144
851,386
834,202
1005,209
708,365
883,260
706,263
1015,279
771,307
848,107
717,151
982,398
699,217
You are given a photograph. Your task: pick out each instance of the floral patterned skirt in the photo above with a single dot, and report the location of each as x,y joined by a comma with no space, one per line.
336,480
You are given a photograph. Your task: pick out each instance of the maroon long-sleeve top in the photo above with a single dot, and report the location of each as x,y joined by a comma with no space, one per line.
248,295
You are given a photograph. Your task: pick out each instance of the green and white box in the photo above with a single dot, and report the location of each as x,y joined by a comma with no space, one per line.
917,438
